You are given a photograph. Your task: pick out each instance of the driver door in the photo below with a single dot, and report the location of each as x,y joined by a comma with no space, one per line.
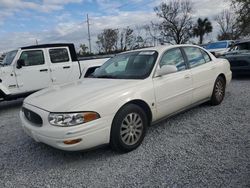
34,75
173,91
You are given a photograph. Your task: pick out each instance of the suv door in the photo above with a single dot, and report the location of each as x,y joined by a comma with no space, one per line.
62,68
203,70
173,91
34,74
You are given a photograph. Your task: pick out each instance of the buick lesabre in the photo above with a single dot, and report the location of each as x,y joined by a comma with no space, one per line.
124,96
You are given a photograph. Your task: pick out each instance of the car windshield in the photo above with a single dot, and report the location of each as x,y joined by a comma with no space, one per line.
217,45
131,65
9,57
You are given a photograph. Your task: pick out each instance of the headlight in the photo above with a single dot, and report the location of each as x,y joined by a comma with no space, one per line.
72,119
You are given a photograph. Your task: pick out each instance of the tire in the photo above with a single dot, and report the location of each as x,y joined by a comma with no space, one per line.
128,128
218,91
2,95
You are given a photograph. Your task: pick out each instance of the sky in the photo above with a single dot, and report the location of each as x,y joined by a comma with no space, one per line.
23,22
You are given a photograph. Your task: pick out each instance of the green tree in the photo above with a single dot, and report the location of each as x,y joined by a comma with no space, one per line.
201,28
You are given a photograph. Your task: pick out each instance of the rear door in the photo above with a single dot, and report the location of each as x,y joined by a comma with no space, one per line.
34,75
173,91
203,70
62,68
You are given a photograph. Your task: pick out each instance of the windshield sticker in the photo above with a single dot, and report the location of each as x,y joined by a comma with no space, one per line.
147,53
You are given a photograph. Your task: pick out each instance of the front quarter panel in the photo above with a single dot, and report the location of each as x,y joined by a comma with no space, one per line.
110,104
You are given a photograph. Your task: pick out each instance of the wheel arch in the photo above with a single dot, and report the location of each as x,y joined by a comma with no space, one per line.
144,105
223,76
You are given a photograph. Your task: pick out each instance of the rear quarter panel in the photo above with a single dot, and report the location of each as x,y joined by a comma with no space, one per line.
223,67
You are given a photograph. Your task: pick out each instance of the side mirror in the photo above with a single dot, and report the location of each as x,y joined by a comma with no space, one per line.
20,63
166,69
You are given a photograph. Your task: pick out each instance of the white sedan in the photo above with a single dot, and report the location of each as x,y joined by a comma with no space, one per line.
124,96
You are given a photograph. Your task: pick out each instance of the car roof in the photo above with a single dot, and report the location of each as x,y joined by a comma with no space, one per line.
47,46
55,45
243,41
163,48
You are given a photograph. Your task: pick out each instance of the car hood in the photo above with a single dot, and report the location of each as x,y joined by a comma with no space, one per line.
65,98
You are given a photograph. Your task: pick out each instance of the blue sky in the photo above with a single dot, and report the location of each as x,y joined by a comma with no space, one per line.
22,22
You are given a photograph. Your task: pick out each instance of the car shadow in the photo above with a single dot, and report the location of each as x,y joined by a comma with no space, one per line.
241,77
11,104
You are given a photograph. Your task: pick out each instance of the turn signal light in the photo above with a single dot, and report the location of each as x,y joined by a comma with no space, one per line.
90,116
71,142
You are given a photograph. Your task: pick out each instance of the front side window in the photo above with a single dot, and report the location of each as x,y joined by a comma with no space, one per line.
130,65
174,57
32,58
59,55
194,56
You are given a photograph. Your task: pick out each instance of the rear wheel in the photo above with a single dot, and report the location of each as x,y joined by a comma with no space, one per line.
219,91
128,128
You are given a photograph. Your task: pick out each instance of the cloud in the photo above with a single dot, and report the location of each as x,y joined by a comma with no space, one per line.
209,8
9,7
68,28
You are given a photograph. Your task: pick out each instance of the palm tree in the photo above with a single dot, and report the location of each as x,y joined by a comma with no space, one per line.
201,28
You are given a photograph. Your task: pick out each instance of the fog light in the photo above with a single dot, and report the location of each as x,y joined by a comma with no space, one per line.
71,142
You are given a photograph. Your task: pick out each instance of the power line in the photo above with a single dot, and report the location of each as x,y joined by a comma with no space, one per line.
89,33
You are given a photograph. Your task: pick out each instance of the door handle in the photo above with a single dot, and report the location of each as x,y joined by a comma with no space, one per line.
187,76
66,67
43,70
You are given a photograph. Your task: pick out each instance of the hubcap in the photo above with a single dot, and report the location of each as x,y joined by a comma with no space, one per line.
219,90
131,129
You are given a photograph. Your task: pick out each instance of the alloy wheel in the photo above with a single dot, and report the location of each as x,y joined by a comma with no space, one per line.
131,129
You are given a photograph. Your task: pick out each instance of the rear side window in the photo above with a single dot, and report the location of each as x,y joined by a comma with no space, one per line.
195,57
206,56
32,58
173,57
59,55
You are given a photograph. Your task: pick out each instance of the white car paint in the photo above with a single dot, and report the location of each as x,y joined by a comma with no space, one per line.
164,96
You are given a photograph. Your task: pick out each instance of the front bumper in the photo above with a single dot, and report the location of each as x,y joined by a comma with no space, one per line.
92,134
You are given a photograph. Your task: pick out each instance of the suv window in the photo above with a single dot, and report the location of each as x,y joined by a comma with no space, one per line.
59,55
195,57
174,57
32,58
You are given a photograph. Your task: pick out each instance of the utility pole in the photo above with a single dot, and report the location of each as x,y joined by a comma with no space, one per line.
89,33
36,42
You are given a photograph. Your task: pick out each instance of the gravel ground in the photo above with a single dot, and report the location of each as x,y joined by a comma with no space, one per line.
203,147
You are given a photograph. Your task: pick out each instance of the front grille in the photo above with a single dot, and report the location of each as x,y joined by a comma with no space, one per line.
33,117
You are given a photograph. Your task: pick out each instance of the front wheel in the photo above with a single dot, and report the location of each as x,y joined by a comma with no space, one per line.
128,128
219,91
